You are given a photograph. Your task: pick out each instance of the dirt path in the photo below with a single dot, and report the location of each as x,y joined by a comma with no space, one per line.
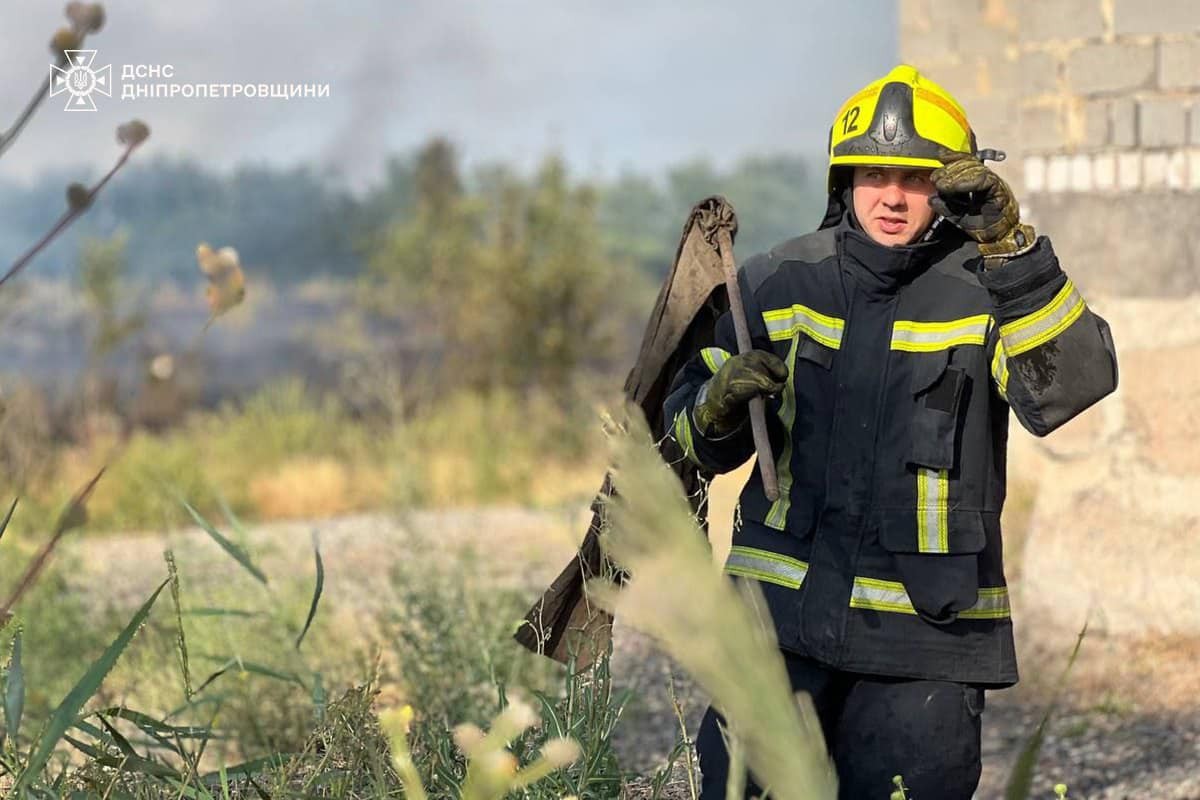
1130,725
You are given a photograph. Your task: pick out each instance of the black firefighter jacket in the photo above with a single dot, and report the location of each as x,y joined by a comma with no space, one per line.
883,554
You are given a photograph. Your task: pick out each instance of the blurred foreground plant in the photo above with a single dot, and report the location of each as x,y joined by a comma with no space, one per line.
1020,779
80,197
450,657
85,18
73,516
719,632
493,771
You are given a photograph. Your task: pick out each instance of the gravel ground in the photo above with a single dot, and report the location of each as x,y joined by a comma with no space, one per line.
1145,744
1101,753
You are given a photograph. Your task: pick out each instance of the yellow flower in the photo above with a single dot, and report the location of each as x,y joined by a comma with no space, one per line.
396,721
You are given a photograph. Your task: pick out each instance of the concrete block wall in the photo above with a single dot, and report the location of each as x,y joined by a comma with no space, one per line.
1097,103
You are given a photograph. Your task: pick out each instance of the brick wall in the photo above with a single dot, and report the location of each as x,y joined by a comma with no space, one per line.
1097,103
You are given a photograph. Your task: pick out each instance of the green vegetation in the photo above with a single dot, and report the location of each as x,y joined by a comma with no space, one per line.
226,692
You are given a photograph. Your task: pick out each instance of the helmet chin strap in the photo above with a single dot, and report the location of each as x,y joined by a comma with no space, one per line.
938,219
854,223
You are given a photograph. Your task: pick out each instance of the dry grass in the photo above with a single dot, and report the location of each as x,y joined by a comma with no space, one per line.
316,488
286,454
1155,675
1016,522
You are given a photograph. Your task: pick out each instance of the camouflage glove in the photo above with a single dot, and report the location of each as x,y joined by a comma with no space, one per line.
721,404
978,201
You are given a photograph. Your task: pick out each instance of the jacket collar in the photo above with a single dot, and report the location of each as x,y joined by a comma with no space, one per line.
881,269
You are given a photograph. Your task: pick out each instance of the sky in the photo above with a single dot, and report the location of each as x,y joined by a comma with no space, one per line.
612,86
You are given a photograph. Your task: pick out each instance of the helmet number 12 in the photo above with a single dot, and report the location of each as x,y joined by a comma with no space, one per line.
850,121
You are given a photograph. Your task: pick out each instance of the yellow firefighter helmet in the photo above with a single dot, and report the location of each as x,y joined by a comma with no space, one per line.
901,120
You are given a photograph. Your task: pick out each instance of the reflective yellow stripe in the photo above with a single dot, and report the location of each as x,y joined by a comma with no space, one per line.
933,492
714,357
890,161
992,604
1000,369
784,323
1024,334
880,595
926,337
777,515
763,565
867,593
945,104
683,435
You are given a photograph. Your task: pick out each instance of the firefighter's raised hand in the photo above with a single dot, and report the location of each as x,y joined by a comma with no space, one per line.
977,200
721,404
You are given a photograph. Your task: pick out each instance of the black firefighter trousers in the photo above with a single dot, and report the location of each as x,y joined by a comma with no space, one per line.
875,727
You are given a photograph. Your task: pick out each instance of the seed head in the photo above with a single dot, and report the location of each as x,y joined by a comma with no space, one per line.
468,737
64,39
78,197
85,17
498,764
519,715
133,133
561,751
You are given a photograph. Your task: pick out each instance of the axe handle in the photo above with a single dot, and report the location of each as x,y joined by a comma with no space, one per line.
758,413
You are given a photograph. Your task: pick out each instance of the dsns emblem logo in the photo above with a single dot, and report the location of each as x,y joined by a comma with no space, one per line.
79,80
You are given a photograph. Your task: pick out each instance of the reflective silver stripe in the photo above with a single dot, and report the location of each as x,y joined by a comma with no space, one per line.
992,604
784,323
777,514
867,593
880,595
933,491
926,337
1034,330
763,565
714,357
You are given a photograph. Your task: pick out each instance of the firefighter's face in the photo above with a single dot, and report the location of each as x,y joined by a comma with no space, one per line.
892,204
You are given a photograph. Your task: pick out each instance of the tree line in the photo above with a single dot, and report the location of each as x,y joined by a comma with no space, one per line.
291,224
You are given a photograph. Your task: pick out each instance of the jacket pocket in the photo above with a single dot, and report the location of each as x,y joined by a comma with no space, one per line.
939,584
812,350
937,389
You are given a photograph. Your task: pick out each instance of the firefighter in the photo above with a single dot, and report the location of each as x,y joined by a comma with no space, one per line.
891,345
